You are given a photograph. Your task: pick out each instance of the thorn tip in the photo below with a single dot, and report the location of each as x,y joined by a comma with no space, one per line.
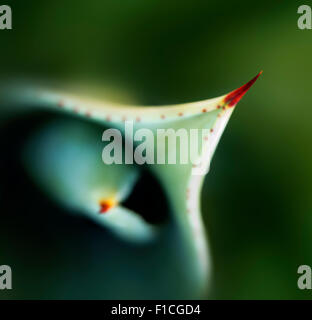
233,97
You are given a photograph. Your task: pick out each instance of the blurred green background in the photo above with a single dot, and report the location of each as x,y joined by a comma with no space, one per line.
257,198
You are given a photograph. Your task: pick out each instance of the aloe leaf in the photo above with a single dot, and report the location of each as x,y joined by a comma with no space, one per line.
101,188
65,159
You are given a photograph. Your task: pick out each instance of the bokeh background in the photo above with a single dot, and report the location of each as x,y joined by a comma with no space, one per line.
257,198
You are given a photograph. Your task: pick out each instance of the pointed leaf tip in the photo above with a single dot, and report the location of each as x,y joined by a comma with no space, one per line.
232,98
106,205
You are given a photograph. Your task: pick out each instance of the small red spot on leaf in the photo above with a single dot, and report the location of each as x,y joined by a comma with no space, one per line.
204,110
60,104
180,114
163,116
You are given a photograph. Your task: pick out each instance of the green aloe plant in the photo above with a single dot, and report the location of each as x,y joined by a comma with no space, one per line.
63,156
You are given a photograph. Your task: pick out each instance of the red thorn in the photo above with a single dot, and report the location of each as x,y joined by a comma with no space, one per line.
105,206
232,98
